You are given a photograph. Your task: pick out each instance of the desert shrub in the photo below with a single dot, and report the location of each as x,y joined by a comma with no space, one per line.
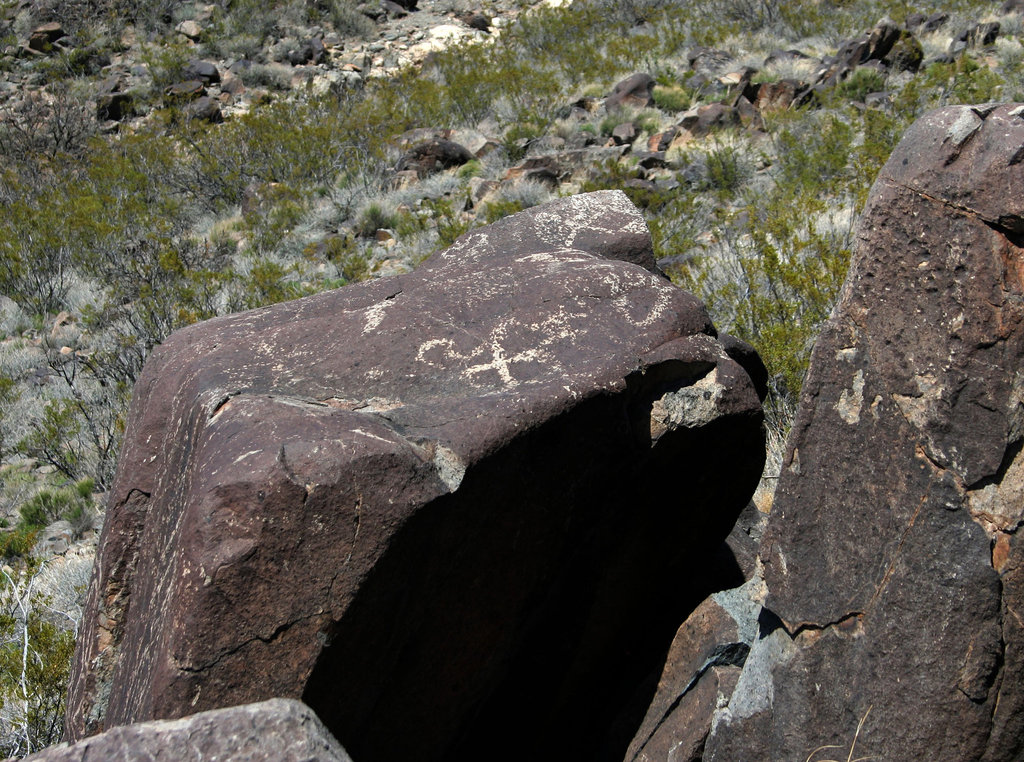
781,258
450,225
46,506
726,169
813,156
17,543
515,197
346,18
272,76
265,281
963,81
615,174
57,439
472,168
166,62
9,394
36,648
48,129
672,98
344,253
354,266
373,218
861,83
279,212
495,210
35,260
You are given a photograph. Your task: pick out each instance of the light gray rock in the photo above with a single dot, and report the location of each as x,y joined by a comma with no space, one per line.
278,730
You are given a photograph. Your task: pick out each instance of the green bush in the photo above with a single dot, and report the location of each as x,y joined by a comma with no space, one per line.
861,82
672,98
72,504
35,664
373,218
17,543
726,170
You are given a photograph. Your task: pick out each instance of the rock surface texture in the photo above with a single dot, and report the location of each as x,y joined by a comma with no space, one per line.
278,730
892,558
469,503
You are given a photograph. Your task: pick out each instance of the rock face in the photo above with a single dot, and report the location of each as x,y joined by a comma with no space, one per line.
704,660
894,570
278,730
467,503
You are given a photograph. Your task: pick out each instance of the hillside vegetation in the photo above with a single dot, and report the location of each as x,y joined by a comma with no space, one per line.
134,205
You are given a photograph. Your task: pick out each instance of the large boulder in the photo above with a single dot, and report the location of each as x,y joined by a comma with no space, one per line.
636,90
466,503
895,577
434,155
277,730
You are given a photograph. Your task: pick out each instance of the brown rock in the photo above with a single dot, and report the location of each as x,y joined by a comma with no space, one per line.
706,119
874,46
116,106
441,507
190,29
929,23
541,169
775,96
625,133
232,85
700,671
978,35
185,91
479,21
891,557
434,155
278,730
708,61
636,90
205,109
45,36
661,141
704,661
906,53
203,71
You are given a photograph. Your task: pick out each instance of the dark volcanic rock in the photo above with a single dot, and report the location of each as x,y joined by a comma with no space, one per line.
891,558
181,92
205,109
710,117
773,96
307,52
469,503
116,106
434,155
45,36
704,661
278,730
204,71
977,36
906,53
635,90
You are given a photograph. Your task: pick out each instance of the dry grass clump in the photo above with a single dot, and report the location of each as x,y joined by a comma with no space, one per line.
853,746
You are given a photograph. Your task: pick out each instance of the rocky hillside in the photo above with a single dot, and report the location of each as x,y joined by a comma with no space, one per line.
486,505
166,163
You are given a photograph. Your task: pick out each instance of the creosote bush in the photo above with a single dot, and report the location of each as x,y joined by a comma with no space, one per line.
36,646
